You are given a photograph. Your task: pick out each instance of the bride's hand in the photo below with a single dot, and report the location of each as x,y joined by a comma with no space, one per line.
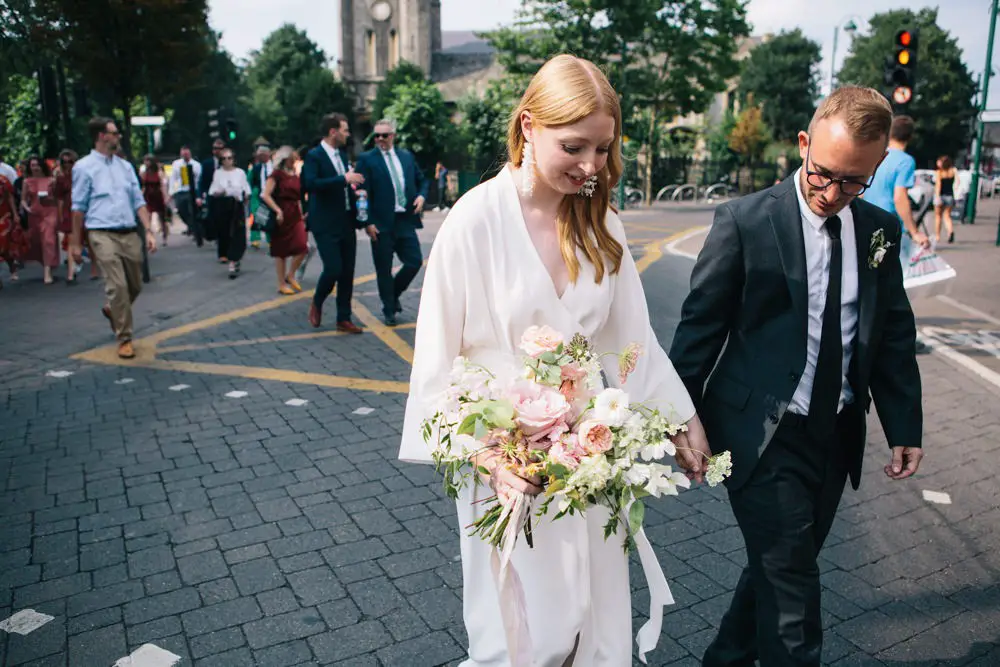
693,451
501,479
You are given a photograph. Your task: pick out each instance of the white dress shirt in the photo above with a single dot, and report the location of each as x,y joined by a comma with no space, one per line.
392,159
229,183
176,179
338,165
818,254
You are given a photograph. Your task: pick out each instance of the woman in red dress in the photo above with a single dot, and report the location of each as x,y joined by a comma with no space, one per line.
154,181
38,199
283,196
63,192
13,240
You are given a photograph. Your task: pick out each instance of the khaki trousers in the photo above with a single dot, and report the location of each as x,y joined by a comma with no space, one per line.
119,258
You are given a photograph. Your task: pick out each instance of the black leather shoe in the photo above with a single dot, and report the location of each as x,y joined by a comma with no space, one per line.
390,321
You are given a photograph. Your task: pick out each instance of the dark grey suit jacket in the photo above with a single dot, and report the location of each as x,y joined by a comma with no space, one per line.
749,294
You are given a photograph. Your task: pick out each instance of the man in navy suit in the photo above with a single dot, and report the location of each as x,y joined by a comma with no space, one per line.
210,224
327,180
396,190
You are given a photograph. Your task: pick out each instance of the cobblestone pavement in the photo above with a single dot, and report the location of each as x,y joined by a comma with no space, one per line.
161,504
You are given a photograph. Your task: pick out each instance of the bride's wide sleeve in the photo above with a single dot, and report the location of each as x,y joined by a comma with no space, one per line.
440,323
654,381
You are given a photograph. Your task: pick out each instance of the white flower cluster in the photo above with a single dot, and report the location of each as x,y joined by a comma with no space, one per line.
720,466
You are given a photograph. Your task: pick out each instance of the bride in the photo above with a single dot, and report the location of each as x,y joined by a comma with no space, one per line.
539,244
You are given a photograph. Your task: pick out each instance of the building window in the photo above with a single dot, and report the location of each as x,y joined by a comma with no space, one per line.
371,64
393,49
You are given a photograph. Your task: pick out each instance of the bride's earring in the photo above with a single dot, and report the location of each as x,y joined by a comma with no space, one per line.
527,169
589,187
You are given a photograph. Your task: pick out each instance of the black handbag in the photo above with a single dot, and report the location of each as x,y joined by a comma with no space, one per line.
264,219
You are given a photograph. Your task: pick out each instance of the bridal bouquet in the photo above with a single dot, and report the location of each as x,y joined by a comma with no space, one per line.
587,444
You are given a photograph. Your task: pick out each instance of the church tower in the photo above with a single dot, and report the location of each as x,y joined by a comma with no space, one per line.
377,34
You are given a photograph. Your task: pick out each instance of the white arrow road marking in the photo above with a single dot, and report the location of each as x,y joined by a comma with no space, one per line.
148,655
25,621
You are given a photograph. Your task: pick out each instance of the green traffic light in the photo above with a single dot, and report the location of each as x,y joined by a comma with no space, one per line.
232,135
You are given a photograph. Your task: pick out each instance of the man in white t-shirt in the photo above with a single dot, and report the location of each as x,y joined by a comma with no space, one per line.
185,173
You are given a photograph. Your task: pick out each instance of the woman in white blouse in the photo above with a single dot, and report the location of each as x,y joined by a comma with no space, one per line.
230,183
539,244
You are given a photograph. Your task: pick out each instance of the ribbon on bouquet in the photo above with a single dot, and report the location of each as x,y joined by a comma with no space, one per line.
659,596
510,590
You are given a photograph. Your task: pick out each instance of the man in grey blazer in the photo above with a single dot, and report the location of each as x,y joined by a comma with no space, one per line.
796,320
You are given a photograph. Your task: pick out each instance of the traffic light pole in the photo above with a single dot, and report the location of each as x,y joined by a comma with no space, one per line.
981,133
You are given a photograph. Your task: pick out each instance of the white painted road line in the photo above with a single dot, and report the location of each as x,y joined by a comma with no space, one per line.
363,411
674,246
937,497
59,374
148,655
180,387
296,402
955,303
237,394
125,381
962,360
25,621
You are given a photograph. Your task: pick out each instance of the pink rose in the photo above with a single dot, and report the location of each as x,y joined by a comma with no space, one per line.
536,341
571,375
545,438
595,437
538,408
567,451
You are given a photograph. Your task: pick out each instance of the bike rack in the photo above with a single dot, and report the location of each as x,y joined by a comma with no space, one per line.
676,196
723,189
665,192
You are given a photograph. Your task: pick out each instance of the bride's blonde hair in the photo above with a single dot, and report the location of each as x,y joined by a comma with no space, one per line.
564,91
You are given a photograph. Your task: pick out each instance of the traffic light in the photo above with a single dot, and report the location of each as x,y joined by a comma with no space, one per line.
213,123
232,128
901,69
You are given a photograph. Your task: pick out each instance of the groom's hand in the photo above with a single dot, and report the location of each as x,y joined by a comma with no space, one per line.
693,451
905,461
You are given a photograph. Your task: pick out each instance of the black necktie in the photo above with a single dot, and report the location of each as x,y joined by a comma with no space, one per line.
828,381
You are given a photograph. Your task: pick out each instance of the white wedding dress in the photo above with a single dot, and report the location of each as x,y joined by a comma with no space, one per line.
485,284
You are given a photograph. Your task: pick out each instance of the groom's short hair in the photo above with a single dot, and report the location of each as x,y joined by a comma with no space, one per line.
865,111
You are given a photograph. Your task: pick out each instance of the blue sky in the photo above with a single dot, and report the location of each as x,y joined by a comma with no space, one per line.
244,23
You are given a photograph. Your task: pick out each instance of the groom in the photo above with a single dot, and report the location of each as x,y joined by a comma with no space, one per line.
800,289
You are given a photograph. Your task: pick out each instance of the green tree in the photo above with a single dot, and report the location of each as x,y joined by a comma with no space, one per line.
942,99
403,73
782,74
289,88
749,137
423,124
20,132
122,50
679,52
485,123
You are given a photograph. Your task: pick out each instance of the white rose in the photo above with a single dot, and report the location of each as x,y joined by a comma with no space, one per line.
879,255
611,407
536,341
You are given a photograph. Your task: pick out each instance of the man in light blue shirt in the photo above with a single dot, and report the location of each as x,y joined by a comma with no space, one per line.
107,200
895,176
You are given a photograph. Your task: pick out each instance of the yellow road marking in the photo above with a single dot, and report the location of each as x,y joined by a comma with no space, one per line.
148,348
260,341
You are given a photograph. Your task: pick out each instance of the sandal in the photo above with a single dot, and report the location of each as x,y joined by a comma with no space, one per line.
293,284
286,290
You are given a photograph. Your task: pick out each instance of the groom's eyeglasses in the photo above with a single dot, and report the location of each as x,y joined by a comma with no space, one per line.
820,181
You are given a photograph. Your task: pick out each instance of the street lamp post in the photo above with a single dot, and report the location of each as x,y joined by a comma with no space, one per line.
621,182
987,73
850,28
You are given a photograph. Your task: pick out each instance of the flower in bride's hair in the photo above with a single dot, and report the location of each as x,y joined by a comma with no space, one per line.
536,341
627,361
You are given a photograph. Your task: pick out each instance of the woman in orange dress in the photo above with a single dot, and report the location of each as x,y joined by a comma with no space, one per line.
38,199
283,196
154,190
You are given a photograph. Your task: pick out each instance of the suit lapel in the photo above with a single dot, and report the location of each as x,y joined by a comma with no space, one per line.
867,277
786,223
325,157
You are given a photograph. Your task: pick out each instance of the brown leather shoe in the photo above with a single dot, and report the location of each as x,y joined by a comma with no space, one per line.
350,327
125,350
315,316
106,311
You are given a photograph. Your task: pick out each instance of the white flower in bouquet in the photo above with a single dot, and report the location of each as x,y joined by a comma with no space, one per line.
474,382
664,481
592,474
657,449
611,407
720,467
637,475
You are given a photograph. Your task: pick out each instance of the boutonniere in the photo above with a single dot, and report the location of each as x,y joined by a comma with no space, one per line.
878,249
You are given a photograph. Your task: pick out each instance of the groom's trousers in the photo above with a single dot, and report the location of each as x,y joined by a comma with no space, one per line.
785,511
